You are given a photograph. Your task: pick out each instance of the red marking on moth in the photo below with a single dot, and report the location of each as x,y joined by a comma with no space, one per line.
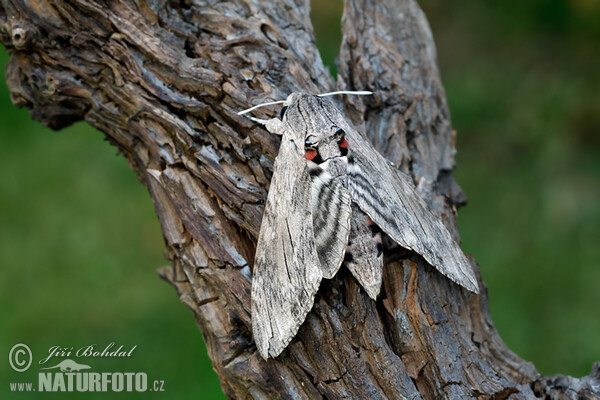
343,144
310,154
370,221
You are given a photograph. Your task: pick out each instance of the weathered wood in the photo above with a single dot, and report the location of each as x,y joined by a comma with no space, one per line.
163,79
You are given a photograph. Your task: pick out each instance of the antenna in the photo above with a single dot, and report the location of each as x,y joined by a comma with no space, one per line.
356,92
260,105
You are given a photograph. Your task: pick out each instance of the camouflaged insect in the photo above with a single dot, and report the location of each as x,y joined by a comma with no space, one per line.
331,197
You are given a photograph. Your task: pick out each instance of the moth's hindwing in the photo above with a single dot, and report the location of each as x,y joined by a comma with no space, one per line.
290,262
364,257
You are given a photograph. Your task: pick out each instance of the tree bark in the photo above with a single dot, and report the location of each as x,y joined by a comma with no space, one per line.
163,80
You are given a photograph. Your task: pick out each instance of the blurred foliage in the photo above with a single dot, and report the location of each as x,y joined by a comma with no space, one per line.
79,240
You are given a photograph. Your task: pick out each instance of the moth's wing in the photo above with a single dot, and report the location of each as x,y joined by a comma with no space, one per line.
394,204
287,270
331,213
365,257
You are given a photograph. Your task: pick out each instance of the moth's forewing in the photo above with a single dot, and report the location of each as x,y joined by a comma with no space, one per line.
287,271
393,203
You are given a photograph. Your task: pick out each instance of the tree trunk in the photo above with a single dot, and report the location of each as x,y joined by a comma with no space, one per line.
163,80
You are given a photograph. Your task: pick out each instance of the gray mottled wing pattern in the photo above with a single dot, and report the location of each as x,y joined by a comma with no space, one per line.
302,239
287,271
394,204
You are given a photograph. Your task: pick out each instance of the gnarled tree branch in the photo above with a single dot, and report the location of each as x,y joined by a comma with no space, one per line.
163,80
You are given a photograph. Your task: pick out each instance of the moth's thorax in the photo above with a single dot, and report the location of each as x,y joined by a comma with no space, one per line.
309,115
337,167
328,148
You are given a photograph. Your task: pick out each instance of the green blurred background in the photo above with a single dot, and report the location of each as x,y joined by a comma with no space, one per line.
79,240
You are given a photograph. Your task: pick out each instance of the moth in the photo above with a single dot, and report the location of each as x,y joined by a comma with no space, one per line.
331,197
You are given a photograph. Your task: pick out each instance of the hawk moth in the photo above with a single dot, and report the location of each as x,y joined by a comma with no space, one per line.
331,197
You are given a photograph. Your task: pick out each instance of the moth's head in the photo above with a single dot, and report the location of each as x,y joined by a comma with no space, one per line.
315,123
312,122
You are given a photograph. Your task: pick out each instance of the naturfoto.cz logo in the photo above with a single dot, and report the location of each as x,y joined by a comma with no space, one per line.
71,376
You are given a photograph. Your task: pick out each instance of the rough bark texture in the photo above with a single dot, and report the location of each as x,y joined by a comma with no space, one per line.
163,79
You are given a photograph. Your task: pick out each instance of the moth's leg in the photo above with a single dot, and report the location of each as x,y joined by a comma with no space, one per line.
376,232
364,255
273,125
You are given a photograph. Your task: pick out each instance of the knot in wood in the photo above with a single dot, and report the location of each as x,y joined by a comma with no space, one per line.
21,36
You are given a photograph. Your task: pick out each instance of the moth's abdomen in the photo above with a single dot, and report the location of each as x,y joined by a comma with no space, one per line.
331,219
